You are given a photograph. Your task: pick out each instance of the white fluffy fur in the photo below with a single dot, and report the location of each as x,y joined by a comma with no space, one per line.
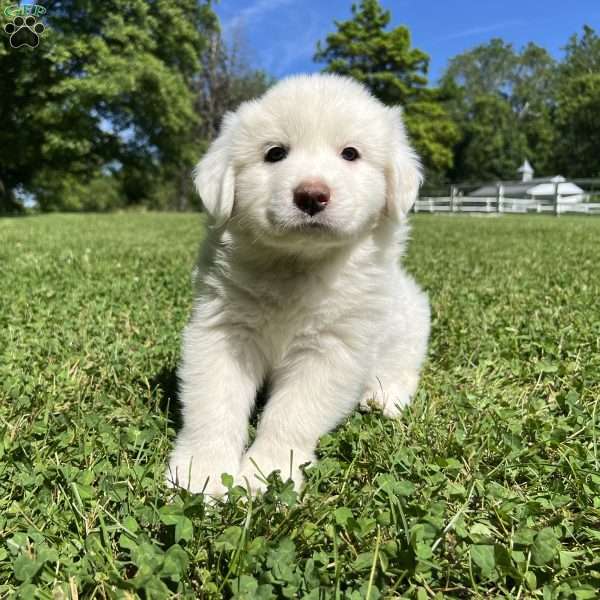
325,315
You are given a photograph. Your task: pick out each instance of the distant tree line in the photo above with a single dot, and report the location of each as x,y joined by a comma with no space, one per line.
115,105
119,99
494,106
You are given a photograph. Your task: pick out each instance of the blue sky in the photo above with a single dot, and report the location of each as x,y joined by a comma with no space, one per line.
280,36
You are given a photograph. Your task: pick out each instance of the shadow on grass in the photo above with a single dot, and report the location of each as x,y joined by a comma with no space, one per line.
170,404
166,382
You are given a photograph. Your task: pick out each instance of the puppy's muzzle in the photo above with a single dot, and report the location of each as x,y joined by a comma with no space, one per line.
311,197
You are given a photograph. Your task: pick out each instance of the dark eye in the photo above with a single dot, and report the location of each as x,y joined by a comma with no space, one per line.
275,154
350,153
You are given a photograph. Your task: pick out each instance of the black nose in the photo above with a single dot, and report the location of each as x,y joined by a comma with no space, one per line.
311,197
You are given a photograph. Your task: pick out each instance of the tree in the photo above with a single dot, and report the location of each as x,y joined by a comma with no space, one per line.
225,81
108,90
578,107
582,54
520,87
396,73
491,146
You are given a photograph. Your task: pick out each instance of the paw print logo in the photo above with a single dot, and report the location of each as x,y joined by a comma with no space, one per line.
24,32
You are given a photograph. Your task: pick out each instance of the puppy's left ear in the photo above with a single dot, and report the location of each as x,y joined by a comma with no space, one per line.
403,170
214,176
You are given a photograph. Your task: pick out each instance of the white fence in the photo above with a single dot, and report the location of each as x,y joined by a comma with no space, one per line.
469,204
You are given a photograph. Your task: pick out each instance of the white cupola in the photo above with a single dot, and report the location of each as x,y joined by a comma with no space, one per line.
526,171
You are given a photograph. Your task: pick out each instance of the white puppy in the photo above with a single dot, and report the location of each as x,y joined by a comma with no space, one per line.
299,282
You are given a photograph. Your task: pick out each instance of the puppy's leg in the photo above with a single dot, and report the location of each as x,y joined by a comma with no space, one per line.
311,394
220,373
401,351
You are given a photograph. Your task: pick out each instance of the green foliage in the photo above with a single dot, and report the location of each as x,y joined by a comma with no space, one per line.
487,486
109,84
492,144
578,142
382,60
119,99
546,111
396,73
70,193
503,101
582,53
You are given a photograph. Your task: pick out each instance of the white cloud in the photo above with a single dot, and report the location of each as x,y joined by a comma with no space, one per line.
253,12
480,30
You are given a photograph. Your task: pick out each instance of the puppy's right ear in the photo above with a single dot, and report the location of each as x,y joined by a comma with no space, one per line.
214,177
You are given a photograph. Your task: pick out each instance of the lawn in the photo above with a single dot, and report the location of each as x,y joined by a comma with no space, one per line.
488,486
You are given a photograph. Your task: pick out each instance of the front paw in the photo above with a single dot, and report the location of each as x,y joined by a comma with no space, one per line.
390,401
259,463
200,470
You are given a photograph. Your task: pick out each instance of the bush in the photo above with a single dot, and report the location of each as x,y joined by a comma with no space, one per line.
101,193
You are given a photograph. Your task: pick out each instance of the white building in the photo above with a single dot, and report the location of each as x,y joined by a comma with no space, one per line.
538,188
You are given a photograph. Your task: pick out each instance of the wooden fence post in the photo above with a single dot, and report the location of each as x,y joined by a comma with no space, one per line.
556,206
453,207
499,196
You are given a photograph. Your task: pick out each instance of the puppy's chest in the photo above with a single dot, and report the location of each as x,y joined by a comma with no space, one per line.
272,302
281,310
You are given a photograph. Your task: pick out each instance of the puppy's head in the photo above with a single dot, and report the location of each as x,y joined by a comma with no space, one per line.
316,160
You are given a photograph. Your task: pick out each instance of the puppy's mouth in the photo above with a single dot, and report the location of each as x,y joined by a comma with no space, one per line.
313,226
316,232
308,227
299,223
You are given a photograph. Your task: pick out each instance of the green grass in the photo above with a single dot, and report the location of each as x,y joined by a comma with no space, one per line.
489,486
